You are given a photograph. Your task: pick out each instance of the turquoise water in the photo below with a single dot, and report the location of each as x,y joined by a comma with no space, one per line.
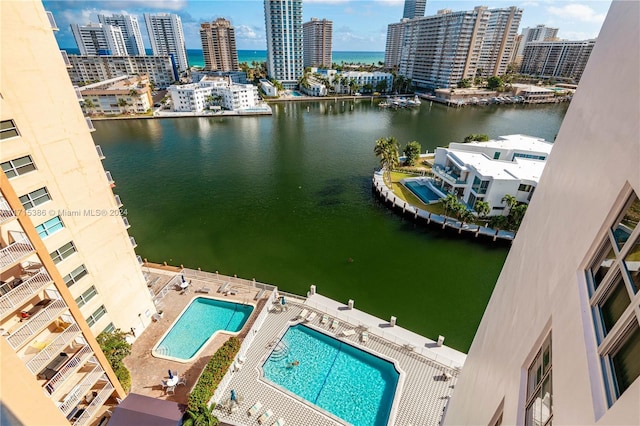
199,322
426,194
352,384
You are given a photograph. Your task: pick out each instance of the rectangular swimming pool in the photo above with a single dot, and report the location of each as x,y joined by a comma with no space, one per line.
348,382
198,323
424,191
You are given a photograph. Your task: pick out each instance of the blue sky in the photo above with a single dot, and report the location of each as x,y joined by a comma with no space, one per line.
357,25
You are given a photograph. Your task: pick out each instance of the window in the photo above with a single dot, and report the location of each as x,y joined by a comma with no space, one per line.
480,186
110,328
613,280
525,188
94,317
86,296
75,275
49,227
8,129
496,155
63,252
18,167
35,198
539,394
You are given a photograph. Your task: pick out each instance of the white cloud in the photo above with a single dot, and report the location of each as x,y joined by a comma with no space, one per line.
245,32
392,3
580,12
327,1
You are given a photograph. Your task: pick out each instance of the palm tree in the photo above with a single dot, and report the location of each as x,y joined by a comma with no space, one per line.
89,105
122,103
516,215
387,149
201,416
510,201
464,214
449,203
482,208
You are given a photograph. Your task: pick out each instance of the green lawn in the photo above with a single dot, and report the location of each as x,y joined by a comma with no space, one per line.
402,192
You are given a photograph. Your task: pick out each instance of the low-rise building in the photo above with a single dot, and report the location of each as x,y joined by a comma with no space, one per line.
268,88
487,171
213,91
120,95
239,77
361,79
533,94
314,87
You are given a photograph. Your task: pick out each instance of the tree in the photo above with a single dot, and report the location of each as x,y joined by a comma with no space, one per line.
494,82
115,348
387,150
450,203
88,104
464,214
367,88
381,86
473,137
202,416
498,222
133,92
412,153
465,83
482,208
516,214
510,201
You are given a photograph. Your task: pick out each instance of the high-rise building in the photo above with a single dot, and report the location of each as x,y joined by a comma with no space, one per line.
393,49
283,22
439,51
537,33
99,39
317,35
68,269
414,8
167,38
559,341
130,28
558,59
219,46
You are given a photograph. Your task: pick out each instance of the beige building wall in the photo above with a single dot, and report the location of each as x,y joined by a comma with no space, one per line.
542,288
37,95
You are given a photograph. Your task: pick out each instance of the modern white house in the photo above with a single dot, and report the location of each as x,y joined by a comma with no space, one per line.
487,171
314,87
268,88
195,97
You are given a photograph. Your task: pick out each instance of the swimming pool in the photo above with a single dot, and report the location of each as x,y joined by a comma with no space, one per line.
424,190
349,383
197,324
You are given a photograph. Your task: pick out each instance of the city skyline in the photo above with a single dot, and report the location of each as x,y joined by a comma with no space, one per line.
358,25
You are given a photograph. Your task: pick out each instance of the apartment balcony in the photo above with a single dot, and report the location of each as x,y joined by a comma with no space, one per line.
98,401
78,93
23,291
65,58
110,179
32,326
52,21
126,222
6,212
118,200
140,261
58,343
17,250
133,242
448,175
99,151
70,368
90,124
78,392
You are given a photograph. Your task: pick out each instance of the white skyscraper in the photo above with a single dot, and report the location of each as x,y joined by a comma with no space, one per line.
99,39
130,28
283,22
167,37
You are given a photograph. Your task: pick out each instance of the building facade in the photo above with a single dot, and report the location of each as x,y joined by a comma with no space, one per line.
120,95
214,91
99,39
91,69
283,23
557,59
414,8
499,41
130,28
167,37
317,35
559,341
376,80
68,270
219,46
393,47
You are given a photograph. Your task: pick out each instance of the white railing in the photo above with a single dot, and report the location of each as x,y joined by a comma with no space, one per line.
109,177
126,222
133,242
67,370
6,212
90,124
36,323
97,402
118,200
16,250
52,21
17,296
81,389
65,58
173,282
78,93
45,356
100,154
140,261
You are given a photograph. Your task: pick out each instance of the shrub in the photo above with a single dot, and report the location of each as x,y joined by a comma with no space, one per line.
212,374
124,376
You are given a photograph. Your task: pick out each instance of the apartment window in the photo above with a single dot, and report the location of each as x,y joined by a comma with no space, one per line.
63,252
94,317
18,167
49,227
8,129
110,328
525,188
75,275
613,280
539,395
35,198
86,296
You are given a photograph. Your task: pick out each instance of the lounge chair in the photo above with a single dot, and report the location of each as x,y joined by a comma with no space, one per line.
311,316
334,324
265,416
303,313
203,290
255,409
182,381
223,287
279,422
349,332
170,389
325,319
364,336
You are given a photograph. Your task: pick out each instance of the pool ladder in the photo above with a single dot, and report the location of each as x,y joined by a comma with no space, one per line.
280,352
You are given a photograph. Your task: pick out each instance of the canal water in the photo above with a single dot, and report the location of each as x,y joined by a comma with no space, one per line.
287,200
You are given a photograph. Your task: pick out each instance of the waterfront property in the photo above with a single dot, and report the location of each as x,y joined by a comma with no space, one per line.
216,91
119,95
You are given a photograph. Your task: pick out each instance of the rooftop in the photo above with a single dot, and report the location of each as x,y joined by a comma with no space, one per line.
517,142
520,168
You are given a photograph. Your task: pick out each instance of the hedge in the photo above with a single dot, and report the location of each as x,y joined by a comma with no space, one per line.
213,373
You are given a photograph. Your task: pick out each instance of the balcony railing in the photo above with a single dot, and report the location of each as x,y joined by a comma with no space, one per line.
6,212
65,58
110,178
140,261
36,323
16,250
17,296
68,369
52,21
100,154
45,356
133,242
118,200
78,93
448,175
90,124
126,222
98,401
81,389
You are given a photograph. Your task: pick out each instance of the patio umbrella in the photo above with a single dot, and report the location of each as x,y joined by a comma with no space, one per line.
170,375
233,395
282,301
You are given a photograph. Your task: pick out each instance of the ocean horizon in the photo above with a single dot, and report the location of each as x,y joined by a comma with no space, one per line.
196,58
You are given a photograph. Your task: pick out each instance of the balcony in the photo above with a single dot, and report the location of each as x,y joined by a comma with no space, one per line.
126,222
118,200
52,21
6,212
59,342
140,261
69,368
35,324
65,58
90,124
78,93
23,292
17,250
80,390
97,402
110,179
448,175
133,242
100,154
